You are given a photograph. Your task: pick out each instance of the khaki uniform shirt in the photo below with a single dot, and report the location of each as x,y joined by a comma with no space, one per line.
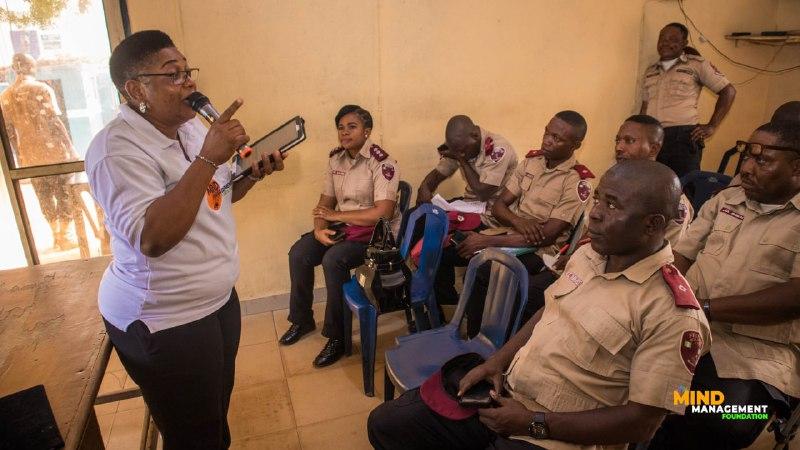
543,194
672,95
605,339
494,165
34,130
357,183
740,246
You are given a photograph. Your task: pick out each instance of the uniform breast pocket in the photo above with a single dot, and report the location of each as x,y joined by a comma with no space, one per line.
650,88
721,234
776,253
525,184
362,190
543,202
598,343
682,86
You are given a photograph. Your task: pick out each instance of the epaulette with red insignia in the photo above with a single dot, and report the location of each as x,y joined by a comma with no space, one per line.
534,153
335,151
488,145
377,152
583,171
684,297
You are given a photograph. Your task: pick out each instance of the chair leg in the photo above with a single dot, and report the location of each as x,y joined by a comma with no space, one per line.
433,312
368,320
348,330
388,387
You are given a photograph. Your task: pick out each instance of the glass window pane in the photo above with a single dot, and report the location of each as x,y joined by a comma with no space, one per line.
65,221
55,90
12,255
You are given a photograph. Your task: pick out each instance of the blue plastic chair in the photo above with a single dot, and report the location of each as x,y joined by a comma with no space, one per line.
416,357
422,299
699,186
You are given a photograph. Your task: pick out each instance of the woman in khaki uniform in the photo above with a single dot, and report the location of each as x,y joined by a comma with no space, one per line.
360,188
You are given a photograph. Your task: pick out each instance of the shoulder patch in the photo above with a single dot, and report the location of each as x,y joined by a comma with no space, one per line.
684,297
694,57
534,153
691,346
335,151
584,189
583,171
377,152
388,171
682,213
488,145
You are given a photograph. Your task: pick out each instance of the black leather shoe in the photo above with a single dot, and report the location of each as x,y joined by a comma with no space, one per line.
331,353
295,332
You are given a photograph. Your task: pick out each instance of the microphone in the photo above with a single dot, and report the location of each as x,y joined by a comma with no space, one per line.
202,105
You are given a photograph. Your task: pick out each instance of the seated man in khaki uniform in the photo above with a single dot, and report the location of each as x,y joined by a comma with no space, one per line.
486,161
598,365
540,204
670,92
741,256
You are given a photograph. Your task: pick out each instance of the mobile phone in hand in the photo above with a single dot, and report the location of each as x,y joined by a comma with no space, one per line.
457,237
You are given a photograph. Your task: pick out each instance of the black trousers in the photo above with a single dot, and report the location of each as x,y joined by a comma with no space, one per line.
406,423
474,310
186,375
679,152
444,285
337,261
709,431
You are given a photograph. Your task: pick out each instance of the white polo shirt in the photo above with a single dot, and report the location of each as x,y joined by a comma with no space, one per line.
130,164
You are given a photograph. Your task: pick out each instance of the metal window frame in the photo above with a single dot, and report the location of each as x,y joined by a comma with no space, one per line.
118,26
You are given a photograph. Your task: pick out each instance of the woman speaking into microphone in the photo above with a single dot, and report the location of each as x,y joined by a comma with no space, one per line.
167,298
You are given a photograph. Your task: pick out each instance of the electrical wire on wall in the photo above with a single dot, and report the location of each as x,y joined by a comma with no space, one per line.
760,70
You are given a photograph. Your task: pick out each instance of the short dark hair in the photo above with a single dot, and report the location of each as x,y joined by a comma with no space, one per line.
654,127
684,31
788,133
787,112
576,121
363,114
133,52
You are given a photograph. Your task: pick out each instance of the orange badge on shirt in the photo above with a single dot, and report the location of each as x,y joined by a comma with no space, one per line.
214,196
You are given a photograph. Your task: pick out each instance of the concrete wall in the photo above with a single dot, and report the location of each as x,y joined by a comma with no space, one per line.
413,63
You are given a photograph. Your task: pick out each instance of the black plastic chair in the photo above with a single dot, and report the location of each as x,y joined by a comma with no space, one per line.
726,157
700,186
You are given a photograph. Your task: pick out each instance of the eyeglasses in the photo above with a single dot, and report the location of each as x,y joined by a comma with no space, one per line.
178,77
754,149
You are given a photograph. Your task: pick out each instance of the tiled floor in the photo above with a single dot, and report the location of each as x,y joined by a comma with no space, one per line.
277,401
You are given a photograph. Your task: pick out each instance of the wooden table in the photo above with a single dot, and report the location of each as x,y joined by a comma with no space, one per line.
51,333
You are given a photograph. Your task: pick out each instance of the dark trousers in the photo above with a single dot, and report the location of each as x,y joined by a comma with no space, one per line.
406,423
444,285
709,431
54,198
337,261
186,375
679,152
477,299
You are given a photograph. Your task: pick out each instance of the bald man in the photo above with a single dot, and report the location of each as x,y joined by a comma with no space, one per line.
596,367
486,161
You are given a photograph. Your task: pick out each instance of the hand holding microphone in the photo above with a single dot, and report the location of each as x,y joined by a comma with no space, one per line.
225,135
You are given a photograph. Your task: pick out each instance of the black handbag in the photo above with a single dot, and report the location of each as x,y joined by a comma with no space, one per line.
384,276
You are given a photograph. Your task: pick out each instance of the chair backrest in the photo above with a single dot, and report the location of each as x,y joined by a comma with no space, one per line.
699,186
506,295
404,189
577,232
436,225
723,164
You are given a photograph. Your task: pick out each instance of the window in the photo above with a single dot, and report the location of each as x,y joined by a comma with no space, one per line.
55,94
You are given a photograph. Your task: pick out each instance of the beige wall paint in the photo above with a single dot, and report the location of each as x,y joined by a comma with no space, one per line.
413,63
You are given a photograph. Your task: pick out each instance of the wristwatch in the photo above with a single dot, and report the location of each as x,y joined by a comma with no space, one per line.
538,427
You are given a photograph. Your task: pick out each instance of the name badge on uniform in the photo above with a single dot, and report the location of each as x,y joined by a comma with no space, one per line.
732,213
574,278
337,172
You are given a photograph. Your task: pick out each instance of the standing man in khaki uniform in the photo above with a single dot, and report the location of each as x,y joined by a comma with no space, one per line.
486,161
39,138
360,188
670,92
742,258
596,367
